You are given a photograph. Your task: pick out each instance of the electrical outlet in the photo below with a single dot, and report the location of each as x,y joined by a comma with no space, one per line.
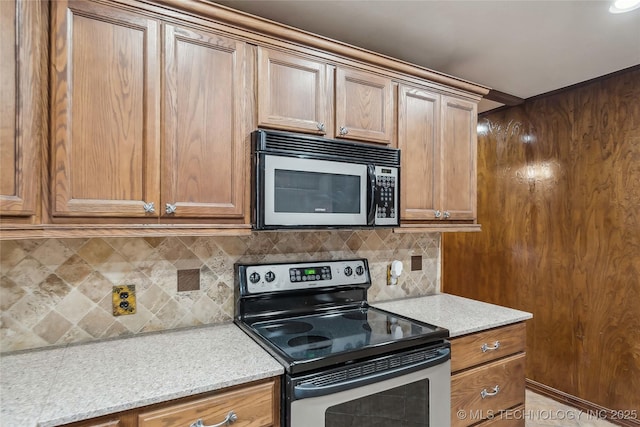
124,300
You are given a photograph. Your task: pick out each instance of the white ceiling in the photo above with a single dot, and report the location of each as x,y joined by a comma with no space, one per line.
520,47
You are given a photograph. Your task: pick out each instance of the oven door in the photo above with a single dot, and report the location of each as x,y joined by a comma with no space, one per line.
419,397
311,192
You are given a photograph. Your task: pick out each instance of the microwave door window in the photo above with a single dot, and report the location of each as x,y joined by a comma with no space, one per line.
315,192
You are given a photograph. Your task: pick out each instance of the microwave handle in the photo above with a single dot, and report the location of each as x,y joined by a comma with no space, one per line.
371,194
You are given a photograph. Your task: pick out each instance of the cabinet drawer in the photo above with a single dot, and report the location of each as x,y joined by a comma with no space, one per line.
480,347
467,387
254,406
512,418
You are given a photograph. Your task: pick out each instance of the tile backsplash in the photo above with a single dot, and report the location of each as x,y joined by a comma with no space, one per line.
58,291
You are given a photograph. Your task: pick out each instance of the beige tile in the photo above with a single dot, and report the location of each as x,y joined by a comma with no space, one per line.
53,288
10,293
96,322
172,249
115,268
52,253
52,327
135,322
232,246
30,245
205,309
74,270
132,249
75,306
95,251
96,287
153,298
86,269
14,335
29,310
75,335
10,254
28,273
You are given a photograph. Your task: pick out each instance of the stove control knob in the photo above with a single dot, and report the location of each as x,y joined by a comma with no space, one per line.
359,270
348,271
254,277
269,277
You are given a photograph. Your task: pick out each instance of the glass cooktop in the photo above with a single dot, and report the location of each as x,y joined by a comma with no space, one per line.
343,335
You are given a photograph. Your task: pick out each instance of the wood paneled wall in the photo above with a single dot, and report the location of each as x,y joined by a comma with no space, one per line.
559,204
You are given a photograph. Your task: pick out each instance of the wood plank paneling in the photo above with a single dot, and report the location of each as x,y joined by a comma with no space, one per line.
558,198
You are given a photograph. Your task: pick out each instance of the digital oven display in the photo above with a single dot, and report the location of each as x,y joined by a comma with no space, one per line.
308,274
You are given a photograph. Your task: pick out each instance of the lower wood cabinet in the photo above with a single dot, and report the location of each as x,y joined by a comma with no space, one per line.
488,377
249,406
256,404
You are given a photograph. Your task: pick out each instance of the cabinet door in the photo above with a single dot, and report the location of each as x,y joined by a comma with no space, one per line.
364,106
459,146
292,92
203,145
21,105
253,405
419,140
105,88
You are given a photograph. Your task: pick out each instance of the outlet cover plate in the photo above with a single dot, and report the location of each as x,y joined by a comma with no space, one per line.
124,300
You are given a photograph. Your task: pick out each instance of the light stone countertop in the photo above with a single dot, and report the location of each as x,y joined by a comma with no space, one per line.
460,315
56,386
49,387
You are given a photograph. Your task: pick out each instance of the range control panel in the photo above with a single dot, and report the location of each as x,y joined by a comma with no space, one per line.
261,278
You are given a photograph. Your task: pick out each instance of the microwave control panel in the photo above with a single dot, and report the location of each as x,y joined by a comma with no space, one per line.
386,196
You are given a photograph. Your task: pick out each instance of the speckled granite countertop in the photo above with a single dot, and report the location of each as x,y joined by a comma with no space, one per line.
460,315
50,387
57,386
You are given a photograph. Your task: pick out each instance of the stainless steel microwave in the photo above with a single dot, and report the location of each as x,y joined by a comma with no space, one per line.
303,181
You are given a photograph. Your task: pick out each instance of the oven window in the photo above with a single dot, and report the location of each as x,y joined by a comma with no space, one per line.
406,406
314,192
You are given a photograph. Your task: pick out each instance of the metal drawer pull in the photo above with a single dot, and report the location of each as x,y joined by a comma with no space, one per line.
231,418
170,209
484,393
485,347
149,207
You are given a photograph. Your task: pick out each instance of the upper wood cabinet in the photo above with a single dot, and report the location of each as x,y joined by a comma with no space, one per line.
105,111
203,150
459,153
419,142
22,123
125,145
364,106
293,92
437,136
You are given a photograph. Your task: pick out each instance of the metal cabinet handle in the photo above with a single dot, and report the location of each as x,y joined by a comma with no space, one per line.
321,126
149,207
230,419
343,130
485,347
446,214
484,393
438,214
170,209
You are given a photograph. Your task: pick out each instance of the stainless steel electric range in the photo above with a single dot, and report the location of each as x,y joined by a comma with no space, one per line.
346,363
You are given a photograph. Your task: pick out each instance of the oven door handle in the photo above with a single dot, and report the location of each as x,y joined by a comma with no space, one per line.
308,389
